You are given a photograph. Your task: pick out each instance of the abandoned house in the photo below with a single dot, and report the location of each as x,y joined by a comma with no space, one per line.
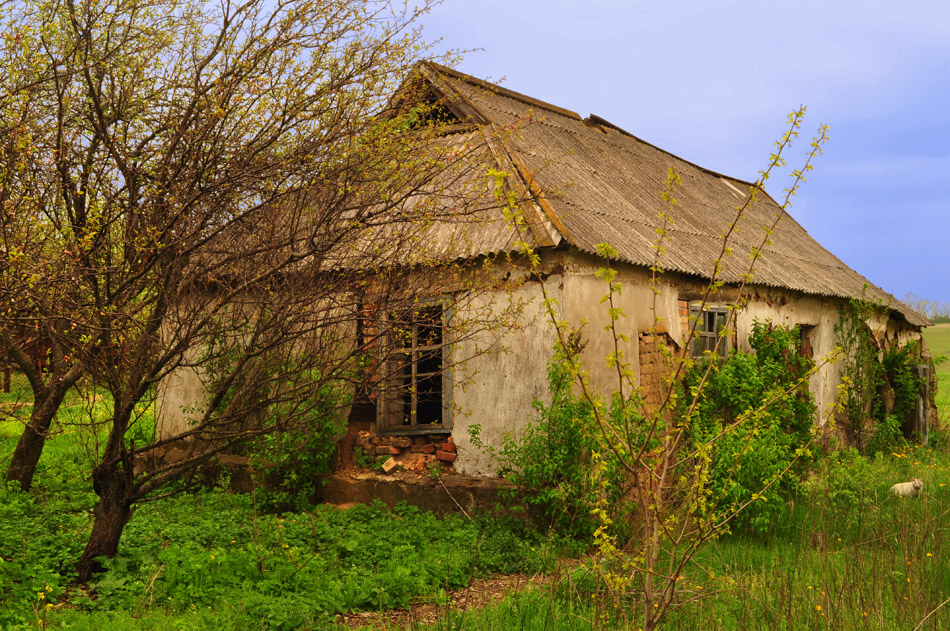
583,182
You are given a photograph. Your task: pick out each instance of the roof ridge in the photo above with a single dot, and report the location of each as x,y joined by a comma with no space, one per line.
487,85
594,118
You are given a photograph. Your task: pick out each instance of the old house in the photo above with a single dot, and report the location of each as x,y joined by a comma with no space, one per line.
582,182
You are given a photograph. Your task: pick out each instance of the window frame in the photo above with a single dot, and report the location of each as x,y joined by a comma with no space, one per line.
708,337
392,389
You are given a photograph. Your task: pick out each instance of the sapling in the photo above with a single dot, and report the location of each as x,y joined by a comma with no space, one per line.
677,511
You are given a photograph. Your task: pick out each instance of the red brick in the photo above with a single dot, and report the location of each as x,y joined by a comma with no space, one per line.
449,447
423,449
401,441
388,449
446,456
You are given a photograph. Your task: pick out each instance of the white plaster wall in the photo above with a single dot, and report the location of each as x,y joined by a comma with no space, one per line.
505,369
900,332
181,399
582,296
495,388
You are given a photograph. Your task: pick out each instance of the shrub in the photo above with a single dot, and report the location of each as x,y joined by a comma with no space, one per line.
897,371
868,422
550,461
844,490
761,405
293,463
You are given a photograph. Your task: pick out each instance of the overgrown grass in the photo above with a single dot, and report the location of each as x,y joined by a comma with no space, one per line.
849,555
892,583
208,556
938,340
212,559
852,556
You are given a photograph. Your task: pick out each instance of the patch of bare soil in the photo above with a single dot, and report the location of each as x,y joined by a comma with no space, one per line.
480,593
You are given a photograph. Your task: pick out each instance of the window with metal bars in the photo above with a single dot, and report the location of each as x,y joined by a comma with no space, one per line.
415,392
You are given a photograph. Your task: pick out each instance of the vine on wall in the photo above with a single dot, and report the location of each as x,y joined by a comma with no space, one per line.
882,384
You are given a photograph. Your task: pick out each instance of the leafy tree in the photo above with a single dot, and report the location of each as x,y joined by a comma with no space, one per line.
209,185
42,315
937,312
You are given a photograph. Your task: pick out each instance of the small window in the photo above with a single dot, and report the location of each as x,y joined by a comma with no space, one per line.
710,324
415,389
806,333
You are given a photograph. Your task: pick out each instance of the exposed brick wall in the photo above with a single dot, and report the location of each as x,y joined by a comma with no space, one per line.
655,365
410,453
685,324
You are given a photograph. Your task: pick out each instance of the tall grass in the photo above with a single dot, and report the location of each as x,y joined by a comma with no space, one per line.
938,340
849,556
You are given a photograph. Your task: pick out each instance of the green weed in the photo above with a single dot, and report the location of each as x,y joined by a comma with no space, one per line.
848,556
184,557
938,341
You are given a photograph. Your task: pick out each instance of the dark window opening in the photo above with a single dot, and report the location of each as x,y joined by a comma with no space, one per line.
415,391
431,110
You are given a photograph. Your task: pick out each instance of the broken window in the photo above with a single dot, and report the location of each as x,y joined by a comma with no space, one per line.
710,324
414,393
806,334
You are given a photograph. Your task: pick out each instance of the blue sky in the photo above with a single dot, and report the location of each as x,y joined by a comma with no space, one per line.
713,81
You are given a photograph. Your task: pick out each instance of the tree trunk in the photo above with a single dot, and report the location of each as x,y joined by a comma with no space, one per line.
113,484
28,449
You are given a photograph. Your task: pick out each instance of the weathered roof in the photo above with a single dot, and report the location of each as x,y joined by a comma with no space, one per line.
596,184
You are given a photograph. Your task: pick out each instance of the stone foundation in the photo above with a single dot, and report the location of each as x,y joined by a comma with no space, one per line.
451,493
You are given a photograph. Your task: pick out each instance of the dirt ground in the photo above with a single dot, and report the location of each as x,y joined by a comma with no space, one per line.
480,593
